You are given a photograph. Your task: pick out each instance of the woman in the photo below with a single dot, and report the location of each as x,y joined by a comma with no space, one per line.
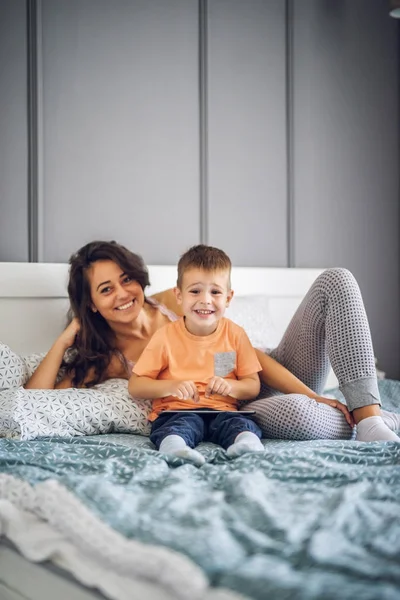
113,322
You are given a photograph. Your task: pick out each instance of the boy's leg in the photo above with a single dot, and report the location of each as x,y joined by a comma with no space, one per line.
236,433
177,435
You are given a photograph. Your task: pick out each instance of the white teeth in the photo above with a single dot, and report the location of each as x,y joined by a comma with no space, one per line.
125,306
205,312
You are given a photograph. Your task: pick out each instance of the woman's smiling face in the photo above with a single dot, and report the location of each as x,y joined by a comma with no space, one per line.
115,295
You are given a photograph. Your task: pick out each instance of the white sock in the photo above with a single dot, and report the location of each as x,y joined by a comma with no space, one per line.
175,445
246,441
374,429
392,420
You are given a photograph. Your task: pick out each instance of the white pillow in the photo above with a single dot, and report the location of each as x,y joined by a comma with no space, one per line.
253,314
13,371
8,426
32,361
16,370
105,408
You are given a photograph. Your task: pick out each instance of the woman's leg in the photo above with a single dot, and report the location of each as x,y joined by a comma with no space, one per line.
331,327
297,417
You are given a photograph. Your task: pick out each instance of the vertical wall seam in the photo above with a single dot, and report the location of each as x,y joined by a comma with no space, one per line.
290,233
32,130
398,149
35,130
203,120
39,130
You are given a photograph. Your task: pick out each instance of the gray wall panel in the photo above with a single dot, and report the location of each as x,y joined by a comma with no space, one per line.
120,113
118,139
346,153
13,132
246,130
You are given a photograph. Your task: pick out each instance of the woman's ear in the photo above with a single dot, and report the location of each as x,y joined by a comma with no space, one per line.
93,308
178,295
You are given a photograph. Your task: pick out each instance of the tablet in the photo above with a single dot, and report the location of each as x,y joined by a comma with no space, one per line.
206,411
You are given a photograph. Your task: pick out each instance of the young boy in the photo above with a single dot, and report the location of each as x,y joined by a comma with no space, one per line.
202,361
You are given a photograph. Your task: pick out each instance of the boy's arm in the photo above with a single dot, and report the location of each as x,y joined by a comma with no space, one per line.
148,388
242,388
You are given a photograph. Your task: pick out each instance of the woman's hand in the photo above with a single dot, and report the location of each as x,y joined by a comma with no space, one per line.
45,376
218,385
68,336
339,405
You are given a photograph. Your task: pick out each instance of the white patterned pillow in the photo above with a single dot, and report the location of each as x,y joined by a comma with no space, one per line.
16,370
8,426
32,361
105,408
253,314
13,371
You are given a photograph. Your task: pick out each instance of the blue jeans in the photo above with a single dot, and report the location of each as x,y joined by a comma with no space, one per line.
194,428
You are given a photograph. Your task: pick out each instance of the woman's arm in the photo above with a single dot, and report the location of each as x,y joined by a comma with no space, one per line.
45,375
279,378
246,388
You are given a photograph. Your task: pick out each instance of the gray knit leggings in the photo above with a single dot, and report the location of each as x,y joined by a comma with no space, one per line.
329,327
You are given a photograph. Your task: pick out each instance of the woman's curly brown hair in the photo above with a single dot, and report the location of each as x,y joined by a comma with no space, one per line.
94,345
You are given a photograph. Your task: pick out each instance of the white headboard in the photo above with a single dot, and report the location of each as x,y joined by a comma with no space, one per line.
34,302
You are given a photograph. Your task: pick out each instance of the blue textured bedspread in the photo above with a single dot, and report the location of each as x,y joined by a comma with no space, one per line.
303,520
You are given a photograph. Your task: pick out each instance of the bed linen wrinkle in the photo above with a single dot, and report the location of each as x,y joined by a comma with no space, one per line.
301,520
306,509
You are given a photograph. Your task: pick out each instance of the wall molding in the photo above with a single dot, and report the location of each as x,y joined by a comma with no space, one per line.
35,129
290,211
203,119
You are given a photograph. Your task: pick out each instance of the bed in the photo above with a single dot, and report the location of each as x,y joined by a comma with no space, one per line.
89,510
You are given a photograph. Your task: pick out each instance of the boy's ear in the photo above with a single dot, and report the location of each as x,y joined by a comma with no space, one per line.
229,297
178,295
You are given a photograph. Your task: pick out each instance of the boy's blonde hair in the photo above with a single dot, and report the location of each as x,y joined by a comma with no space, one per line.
206,258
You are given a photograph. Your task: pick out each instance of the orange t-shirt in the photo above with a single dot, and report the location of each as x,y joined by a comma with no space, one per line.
174,353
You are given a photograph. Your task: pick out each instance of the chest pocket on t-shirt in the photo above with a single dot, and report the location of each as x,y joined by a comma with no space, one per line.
224,363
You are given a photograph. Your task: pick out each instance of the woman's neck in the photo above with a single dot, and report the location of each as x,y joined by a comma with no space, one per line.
141,328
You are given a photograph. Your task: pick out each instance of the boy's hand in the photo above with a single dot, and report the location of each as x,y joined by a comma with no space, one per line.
218,385
184,390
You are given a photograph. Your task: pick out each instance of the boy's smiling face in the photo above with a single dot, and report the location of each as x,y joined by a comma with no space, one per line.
204,296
